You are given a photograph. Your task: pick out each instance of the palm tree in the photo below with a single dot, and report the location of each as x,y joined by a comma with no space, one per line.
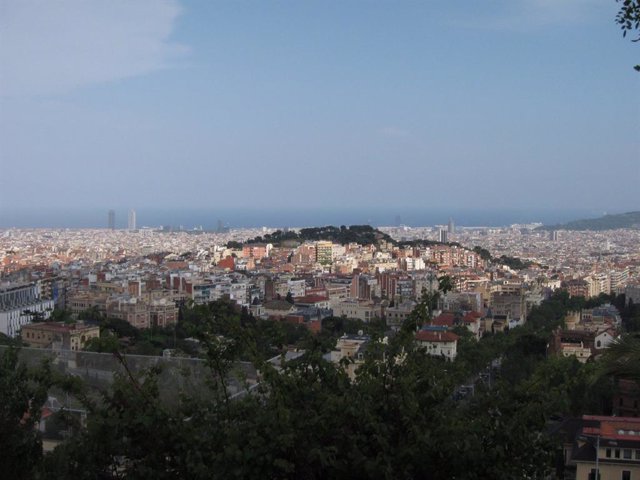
622,358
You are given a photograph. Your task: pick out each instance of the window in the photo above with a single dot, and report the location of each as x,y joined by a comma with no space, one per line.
608,453
637,454
592,475
626,453
617,455
626,475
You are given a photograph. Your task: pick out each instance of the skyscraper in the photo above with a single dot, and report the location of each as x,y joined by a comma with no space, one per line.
451,229
112,220
442,235
131,225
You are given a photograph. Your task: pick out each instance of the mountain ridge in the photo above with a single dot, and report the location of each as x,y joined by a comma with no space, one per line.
605,222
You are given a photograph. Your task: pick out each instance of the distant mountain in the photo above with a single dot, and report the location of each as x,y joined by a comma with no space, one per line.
607,222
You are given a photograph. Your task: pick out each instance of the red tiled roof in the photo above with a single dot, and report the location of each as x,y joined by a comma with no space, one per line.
471,317
310,299
46,413
444,319
610,427
57,327
426,336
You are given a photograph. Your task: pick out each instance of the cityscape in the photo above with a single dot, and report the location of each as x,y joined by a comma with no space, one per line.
319,240
75,290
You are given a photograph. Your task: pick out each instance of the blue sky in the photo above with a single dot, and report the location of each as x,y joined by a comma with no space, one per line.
253,104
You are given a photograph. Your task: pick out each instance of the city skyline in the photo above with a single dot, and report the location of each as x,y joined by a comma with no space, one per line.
217,219
233,105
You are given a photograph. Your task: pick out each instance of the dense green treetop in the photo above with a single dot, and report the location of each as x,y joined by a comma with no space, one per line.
362,234
398,419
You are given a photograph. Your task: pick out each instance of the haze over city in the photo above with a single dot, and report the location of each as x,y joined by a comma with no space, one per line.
528,105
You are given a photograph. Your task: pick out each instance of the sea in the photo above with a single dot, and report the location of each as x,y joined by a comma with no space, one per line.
212,219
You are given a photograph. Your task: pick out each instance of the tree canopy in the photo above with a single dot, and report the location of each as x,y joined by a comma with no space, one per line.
399,418
628,18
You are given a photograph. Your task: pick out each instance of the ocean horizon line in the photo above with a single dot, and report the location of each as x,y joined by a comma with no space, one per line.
212,219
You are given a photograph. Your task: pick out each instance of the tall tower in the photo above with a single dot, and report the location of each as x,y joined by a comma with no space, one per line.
112,220
442,235
131,225
451,229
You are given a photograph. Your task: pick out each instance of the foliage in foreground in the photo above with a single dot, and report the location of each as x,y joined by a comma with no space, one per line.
398,419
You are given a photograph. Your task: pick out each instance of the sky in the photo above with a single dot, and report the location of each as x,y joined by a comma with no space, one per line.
317,104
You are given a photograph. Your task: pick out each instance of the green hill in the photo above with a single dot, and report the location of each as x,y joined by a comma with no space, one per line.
362,234
606,222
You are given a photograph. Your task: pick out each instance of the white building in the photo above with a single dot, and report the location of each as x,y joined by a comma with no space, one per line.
361,310
19,305
131,225
438,344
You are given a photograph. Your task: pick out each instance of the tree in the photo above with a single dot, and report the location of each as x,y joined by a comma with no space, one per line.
421,313
92,313
23,392
397,419
289,298
61,315
445,284
628,18
103,344
622,358
483,252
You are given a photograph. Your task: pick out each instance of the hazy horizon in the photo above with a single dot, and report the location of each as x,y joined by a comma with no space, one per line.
277,218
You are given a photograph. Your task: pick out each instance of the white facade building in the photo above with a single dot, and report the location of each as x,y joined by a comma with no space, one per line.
19,305
131,225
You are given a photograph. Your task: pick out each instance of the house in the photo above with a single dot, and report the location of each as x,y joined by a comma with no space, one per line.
361,310
227,263
607,448
309,317
438,343
59,335
397,314
581,343
445,319
604,338
626,398
473,321
277,309
499,323
352,348
314,301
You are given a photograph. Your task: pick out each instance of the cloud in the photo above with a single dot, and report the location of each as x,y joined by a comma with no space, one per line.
50,47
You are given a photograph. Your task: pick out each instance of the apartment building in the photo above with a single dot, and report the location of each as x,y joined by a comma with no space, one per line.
59,335
19,304
438,343
607,448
